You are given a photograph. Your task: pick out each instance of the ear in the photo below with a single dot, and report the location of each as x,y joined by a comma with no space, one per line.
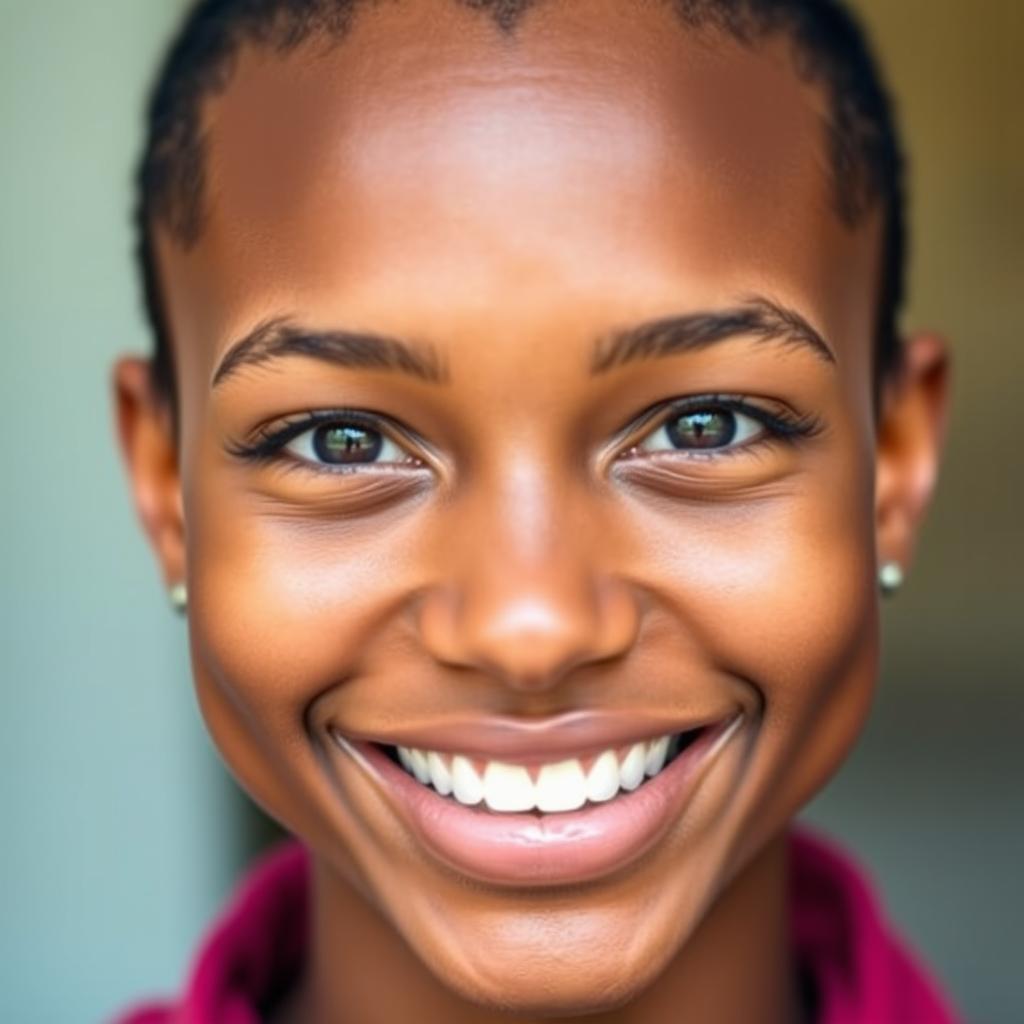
149,448
911,431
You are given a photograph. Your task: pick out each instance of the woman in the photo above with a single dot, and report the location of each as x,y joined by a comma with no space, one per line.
529,438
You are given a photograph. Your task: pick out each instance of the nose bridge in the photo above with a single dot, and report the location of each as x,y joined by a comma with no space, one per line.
527,596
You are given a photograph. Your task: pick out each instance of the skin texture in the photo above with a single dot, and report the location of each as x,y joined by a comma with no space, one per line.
500,205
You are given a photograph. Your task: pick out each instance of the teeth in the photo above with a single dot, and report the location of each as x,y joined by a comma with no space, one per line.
631,771
507,787
563,786
419,766
657,751
467,786
603,778
439,774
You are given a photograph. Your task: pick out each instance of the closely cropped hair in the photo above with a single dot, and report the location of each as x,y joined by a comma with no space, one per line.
830,50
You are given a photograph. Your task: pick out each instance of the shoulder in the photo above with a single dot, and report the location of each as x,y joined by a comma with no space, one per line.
860,968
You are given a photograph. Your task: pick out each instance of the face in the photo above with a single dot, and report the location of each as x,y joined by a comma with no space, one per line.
526,415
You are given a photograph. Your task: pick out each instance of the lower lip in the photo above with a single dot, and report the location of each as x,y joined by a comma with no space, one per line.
547,849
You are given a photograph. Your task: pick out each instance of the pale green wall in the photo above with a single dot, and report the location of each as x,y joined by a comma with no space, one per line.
120,831
112,852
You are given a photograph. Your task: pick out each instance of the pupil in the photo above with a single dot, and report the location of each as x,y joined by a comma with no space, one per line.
344,443
706,428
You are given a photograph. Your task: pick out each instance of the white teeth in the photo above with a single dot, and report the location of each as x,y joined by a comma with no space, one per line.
507,787
467,787
631,771
657,751
603,778
439,774
561,787
419,766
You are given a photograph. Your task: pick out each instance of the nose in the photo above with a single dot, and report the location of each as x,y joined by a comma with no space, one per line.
526,595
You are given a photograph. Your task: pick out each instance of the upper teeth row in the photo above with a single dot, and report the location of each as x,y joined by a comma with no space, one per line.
563,786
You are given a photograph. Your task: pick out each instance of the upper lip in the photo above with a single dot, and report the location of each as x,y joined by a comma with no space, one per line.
525,740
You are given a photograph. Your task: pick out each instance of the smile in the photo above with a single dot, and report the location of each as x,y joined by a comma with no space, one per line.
555,787
537,820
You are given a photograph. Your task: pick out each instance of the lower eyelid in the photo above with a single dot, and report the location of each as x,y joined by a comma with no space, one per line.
371,474
668,456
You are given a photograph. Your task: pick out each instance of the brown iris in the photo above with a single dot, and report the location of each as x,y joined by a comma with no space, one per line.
341,443
703,428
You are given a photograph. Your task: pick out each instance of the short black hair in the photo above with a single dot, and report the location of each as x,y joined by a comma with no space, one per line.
830,49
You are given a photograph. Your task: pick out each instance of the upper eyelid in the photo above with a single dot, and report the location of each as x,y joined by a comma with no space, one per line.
272,438
656,416
784,426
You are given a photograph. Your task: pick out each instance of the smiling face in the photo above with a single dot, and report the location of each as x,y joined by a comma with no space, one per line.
526,414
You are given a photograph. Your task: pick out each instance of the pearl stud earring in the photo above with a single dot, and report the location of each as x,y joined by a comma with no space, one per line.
890,577
177,594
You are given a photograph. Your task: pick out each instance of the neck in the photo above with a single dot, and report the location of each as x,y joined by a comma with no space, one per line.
735,968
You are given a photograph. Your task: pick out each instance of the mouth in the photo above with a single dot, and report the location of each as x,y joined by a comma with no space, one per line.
548,788
559,821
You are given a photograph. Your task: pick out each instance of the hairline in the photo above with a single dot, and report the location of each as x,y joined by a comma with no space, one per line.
178,205
864,171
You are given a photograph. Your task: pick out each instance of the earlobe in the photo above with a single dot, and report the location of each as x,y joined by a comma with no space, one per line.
911,432
149,449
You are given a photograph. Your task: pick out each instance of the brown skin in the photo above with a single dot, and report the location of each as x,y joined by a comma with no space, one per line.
505,205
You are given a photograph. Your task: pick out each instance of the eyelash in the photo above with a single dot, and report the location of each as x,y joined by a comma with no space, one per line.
271,440
785,427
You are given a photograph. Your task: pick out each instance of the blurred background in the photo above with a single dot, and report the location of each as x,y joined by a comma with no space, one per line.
120,833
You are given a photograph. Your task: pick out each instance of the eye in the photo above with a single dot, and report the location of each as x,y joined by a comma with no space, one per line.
703,429
345,443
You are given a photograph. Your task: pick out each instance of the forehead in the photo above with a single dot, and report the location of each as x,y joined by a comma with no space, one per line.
429,155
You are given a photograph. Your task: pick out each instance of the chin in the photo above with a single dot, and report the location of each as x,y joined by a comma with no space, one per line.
549,978
526,991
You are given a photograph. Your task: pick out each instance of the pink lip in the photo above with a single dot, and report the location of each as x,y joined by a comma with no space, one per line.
545,849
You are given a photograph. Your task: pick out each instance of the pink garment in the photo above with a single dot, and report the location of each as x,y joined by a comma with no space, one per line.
858,969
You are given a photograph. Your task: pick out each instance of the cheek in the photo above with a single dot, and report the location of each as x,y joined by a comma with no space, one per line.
780,587
778,593
779,597
793,601
284,593
280,609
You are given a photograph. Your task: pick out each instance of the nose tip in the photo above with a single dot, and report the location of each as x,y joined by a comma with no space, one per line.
531,644
533,640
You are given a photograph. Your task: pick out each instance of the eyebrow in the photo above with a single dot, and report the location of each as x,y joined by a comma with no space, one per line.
757,316
280,337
